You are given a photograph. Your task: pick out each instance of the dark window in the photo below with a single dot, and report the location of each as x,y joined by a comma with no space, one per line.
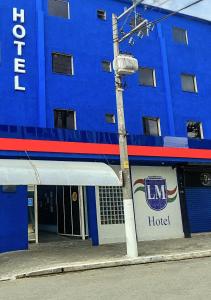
62,63
106,66
110,118
180,35
151,126
101,14
189,83
147,77
58,8
9,188
194,130
64,119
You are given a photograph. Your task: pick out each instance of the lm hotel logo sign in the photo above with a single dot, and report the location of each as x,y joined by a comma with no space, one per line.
157,196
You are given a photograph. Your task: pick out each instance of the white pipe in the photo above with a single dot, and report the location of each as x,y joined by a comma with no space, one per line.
81,202
36,214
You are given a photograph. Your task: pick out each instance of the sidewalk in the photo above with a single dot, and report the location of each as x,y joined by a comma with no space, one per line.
65,255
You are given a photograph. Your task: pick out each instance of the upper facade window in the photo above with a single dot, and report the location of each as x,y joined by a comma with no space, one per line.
110,118
189,83
101,14
59,8
106,66
64,119
194,130
180,35
151,126
147,77
62,63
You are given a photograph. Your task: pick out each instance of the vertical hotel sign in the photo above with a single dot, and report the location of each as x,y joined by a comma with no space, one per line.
19,33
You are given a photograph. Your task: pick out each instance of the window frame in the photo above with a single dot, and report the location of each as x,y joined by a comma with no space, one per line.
193,76
200,128
113,117
9,188
66,110
157,119
185,34
110,66
67,55
104,14
154,85
68,7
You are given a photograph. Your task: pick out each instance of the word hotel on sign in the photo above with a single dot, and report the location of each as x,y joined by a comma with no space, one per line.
19,33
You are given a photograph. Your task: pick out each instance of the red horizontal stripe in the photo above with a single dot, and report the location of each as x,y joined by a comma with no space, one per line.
57,146
93,148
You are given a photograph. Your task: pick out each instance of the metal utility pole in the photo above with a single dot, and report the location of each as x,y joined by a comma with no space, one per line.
130,231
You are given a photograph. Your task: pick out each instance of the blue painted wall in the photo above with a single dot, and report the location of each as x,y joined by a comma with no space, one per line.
92,215
14,220
198,205
90,92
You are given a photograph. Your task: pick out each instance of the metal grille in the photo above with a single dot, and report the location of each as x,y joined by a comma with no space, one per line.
111,205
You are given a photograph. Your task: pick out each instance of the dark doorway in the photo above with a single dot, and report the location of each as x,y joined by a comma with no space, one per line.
61,210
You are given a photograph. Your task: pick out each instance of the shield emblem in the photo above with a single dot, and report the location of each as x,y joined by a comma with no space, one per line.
156,192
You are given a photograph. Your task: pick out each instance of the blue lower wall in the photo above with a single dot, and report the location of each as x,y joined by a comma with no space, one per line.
13,220
92,215
199,209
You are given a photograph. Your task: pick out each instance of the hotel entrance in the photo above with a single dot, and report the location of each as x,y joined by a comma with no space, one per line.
56,210
58,197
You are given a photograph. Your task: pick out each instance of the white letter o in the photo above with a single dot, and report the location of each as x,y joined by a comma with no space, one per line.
19,31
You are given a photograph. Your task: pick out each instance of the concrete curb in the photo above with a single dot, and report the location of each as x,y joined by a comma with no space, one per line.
124,261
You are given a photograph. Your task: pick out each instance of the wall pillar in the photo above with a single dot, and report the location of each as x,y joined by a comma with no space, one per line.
41,63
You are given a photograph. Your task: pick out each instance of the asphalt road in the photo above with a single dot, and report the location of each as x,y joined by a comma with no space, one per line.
189,279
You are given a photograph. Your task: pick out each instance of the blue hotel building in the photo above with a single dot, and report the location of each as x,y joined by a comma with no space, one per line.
58,129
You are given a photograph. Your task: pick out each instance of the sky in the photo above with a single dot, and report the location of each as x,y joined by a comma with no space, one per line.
201,10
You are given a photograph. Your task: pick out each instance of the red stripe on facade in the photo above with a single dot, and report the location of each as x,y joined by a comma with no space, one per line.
57,146
7,144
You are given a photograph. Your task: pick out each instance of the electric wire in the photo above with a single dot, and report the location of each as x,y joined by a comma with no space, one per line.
164,2
126,19
176,12
171,14
153,23
34,168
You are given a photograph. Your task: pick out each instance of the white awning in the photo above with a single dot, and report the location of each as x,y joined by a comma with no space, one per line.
45,172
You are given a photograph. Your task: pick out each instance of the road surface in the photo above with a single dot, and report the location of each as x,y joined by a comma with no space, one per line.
190,279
